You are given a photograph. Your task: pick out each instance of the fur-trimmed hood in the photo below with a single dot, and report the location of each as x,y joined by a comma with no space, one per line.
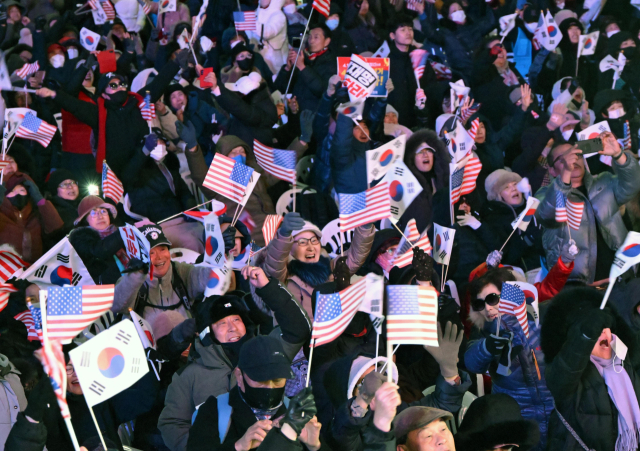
440,170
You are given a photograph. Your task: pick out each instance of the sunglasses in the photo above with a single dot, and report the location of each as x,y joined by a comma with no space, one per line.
492,299
116,85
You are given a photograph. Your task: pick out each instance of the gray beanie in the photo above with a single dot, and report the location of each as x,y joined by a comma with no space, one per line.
497,181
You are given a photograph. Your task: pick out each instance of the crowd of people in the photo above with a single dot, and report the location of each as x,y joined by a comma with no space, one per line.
147,98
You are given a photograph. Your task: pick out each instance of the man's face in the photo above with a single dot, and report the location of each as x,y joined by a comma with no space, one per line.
68,190
578,168
14,13
602,348
73,384
160,259
481,134
574,34
403,35
317,40
361,132
306,247
511,196
424,159
435,436
229,329
178,100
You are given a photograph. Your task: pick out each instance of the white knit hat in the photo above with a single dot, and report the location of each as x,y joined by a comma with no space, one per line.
308,227
361,364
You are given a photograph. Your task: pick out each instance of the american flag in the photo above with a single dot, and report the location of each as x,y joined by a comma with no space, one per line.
574,213
412,235
627,136
52,359
145,6
36,130
473,130
412,315
561,208
419,61
108,9
406,258
335,311
270,227
463,180
322,6
3,163
365,207
411,4
228,177
467,113
147,108
277,162
513,302
5,289
442,71
245,20
9,264
71,309
111,185
254,250
27,70
32,319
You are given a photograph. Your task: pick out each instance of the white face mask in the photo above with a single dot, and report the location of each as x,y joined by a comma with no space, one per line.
290,9
159,152
560,5
73,53
57,61
567,134
617,113
205,44
458,16
531,26
612,32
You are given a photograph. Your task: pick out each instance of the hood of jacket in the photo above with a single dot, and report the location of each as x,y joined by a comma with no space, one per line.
212,357
606,96
274,8
440,170
229,142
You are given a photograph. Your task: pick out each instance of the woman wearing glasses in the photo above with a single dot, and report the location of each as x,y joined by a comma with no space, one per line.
65,196
97,240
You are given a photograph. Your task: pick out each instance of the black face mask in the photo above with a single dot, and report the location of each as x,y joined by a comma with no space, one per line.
262,398
117,98
20,201
245,64
576,103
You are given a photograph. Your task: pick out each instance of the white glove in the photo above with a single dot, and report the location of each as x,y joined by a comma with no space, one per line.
524,187
494,259
421,99
469,220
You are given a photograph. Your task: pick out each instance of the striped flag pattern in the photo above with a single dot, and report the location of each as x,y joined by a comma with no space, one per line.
36,130
412,234
467,113
627,136
52,359
412,315
574,213
228,177
71,309
322,6
145,6
513,302
147,108
270,227
406,259
5,289
419,61
9,264
108,9
561,208
442,71
28,69
245,20
335,311
34,326
111,185
463,180
277,162
473,130
365,207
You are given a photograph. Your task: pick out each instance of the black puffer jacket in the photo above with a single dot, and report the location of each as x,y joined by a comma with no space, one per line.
98,254
68,211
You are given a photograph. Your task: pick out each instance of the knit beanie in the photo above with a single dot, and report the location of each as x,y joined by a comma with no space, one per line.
56,178
497,181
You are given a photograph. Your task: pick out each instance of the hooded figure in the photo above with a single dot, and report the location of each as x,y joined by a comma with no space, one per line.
271,33
591,374
618,108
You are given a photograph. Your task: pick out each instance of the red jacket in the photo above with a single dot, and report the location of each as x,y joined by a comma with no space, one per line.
76,135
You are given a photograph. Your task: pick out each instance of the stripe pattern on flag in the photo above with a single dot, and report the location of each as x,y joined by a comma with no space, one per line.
270,226
111,185
561,208
277,162
147,108
406,258
9,264
52,359
574,213
365,207
5,290
322,6
245,20
228,177
36,130
513,302
412,315
28,69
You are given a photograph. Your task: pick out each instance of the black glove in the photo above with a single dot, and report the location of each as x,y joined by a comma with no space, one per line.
155,356
41,22
33,191
41,395
90,61
3,192
129,45
302,408
592,324
185,331
306,125
495,345
341,274
292,221
20,284
136,264
187,133
229,238
155,34
342,94
182,58
423,265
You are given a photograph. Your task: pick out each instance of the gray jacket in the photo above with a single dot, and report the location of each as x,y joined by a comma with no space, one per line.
12,398
606,193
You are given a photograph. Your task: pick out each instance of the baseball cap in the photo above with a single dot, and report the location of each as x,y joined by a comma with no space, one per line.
308,227
417,417
154,235
262,358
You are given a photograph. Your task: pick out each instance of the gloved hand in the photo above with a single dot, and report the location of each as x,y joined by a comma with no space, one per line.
3,192
150,143
292,221
524,187
446,353
341,274
41,21
90,61
187,133
33,191
182,58
342,94
129,45
184,331
136,264
494,259
421,99
370,384
333,82
302,408
423,265
229,237
469,220
306,125
155,356
494,344
41,395
592,324
569,252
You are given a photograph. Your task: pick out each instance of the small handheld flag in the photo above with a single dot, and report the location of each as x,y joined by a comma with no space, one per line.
365,207
412,315
111,185
561,209
322,6
9,264
277,162
513,302
5,289
36,130
524,218
245,20
148,108
587,44
228,177
574,213
28,69
419,61
270,227
443,237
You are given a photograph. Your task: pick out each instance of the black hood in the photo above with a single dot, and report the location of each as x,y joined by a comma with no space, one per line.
440,170
336,380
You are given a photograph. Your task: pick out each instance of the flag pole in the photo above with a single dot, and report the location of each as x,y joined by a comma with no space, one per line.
97,427
607,293
294,197
398,229
182,212
507,240
378,343
569,229
498,325
313,345
389,357
444,280
577,63
293,69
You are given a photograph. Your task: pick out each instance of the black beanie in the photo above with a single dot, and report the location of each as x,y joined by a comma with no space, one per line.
239,48
173,87
56,178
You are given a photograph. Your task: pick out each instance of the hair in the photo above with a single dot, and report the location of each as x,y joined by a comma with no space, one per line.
496,276
326,31
401,20
446,6
550,156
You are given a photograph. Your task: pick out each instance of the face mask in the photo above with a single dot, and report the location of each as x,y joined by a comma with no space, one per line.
73,53
458,16
240,159
262,398
531,26
57,61
576,104
567,134
159,152
612,32
205,44
617,113
245,64
20,201
332,24
290,9
384,263
118,98
560,5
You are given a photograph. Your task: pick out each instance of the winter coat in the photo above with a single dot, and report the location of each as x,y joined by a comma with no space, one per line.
211,372
131,14
310,83
348,158
271,31
68,211
489,89
274,260
526,383
200,112
98,254
604,98
491,152
606,193
259,204
12,399
530,163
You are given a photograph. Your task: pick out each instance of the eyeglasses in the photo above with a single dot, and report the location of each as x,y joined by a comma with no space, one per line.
116,85
68,185
306,241
491,299
98,211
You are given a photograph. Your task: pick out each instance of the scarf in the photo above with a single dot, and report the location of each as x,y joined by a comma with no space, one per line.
313,56
121,254
622,393
313,274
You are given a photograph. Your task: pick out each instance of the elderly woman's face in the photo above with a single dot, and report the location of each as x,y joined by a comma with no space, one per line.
511,196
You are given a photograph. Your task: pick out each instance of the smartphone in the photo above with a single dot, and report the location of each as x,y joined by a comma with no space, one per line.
590,145
296,42
205,72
